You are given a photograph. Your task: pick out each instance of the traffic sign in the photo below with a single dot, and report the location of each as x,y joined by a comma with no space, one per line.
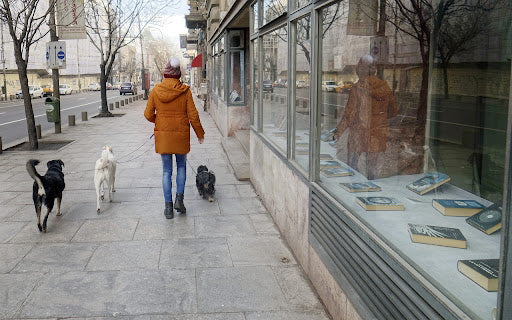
56,55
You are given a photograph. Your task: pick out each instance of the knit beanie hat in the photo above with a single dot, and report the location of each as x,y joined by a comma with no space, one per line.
172,69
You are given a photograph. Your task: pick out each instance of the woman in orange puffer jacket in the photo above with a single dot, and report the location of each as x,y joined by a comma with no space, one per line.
171,107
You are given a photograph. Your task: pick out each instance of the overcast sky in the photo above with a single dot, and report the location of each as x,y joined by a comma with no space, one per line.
175,23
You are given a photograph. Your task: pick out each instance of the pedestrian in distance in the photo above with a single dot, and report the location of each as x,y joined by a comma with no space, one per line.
171,107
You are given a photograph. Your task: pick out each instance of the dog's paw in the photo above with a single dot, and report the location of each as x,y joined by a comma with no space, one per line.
44,229
98,211
40,227
211,199
59,214
102,197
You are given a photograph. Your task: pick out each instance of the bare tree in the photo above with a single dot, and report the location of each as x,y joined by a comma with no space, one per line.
422,18
26,21
110,26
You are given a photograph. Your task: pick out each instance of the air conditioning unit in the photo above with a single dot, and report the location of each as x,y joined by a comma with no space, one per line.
236,39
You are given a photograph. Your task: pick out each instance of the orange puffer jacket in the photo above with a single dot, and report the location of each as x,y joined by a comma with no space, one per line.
171,107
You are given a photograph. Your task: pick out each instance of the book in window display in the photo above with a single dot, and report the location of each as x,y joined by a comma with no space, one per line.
325,156
457,208
484,272
360,186
337,172
437,235
327,164
487,220
380,204
428,182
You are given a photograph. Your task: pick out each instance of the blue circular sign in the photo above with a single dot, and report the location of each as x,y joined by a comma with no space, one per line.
61,55
47,55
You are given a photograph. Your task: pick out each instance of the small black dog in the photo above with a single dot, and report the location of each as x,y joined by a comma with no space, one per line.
205,182
46,188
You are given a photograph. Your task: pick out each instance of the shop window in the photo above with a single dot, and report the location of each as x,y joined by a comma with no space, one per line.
397,153
297,4
236,80
255,81
275,102
302,90
273,9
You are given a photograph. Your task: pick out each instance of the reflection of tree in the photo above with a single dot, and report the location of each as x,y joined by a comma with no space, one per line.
421,18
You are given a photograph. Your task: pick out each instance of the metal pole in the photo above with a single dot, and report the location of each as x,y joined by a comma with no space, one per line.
55,72
78,66
3,61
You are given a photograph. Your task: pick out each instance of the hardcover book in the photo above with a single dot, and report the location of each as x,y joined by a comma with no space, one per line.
483,272
457,208
436,235
302,145
324,164
360,186
487,220
380,203
325,156
428,182
337,172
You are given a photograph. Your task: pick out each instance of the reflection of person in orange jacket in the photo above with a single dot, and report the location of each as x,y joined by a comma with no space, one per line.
370,104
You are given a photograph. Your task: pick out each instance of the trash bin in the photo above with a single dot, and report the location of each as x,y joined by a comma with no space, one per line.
52,109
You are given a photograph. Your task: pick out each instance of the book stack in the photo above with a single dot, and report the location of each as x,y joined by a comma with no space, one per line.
337,172
327,164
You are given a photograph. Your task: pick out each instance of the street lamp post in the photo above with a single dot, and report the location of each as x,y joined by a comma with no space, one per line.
3,60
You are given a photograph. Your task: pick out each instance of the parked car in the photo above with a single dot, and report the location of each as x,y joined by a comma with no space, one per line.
344,87
47,90
281,83
94,86
328,85
267,86
65,89
127,87
34,90
116,86
302,84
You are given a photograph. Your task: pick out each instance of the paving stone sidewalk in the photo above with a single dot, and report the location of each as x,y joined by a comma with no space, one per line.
224,260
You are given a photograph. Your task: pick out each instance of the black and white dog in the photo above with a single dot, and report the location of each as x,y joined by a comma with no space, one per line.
47,188
205,183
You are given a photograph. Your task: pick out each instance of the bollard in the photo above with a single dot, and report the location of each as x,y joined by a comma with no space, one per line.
130,99
126,101
282,100
71,120
135,98
84,115
122,103
117,104
38,131
110,106
1,150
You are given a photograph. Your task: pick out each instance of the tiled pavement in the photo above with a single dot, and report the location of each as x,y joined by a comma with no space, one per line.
222,261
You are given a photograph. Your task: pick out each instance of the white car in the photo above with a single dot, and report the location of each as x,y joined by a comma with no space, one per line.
35,91
329,85
94,87
65,89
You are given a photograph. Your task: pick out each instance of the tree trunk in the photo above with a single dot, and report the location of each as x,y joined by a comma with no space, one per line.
421,114
27,101
103,89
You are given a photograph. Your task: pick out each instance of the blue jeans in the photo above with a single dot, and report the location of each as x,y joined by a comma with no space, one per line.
181,174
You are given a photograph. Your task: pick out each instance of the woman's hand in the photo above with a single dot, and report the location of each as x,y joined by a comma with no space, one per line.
201,140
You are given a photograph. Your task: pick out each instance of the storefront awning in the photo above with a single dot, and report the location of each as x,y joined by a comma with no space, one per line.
197,62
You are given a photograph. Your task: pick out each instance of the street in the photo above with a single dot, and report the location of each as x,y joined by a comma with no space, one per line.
13,124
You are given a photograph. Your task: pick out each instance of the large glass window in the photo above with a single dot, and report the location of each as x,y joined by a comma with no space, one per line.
255,22
255,81
408,159
275,67
236,68
302,90
273,9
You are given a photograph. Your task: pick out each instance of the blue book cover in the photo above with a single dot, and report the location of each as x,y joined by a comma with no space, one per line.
360,186
428,182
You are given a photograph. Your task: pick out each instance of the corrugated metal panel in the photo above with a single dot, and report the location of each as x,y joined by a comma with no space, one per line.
384,287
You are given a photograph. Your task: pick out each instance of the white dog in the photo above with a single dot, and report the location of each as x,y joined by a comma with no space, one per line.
104,172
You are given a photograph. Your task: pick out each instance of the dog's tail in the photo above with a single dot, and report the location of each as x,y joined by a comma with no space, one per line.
31,168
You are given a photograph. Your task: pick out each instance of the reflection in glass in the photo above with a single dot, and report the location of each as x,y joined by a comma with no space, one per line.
273,9
255,18
302,90
255,81
236,90
275,65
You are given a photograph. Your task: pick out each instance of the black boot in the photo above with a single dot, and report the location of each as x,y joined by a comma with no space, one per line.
179,206
168,212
